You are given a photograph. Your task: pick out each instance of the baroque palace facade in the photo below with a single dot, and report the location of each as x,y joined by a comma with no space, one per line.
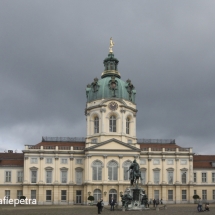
68,170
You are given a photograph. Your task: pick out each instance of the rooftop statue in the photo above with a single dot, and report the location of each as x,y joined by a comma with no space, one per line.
111,45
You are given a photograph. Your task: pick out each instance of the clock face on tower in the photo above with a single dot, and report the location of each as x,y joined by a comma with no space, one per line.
113,106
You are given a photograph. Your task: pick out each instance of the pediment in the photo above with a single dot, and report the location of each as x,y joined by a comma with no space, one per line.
112,145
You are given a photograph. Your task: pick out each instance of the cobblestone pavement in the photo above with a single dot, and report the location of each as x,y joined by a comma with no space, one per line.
92,210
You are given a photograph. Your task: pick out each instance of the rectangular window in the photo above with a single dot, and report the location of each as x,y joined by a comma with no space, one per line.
64,160
63,195
34,160
156,177
48,176
19,176
170,161
156,194
142,161
96,125
213,194
48,160
78,177
143,175
33,194
170,195
194,177
204,177
170,177
78,161
19,194
156,161
183,162
195,192
184,177
7,194
78,196
126,173
184,195
63,177
213,177
48,195
33,176
204,194
8,176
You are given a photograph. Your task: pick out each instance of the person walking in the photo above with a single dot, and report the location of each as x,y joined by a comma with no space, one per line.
154,202
99,207
102,204
112,203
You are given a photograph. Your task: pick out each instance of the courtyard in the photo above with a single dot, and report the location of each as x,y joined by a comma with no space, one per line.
88,210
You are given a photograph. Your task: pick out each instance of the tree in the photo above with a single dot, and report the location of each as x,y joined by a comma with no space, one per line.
91,198
195,197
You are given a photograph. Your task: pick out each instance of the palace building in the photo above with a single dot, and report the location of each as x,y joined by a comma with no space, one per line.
68,170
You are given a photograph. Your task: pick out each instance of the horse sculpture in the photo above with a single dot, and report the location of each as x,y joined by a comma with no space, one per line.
135,173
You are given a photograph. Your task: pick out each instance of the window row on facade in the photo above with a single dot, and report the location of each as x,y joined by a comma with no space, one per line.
62,160
112,124
205,177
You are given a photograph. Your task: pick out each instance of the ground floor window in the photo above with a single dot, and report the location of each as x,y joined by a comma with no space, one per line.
33,194
204,194
213,194
170,195
63,195
78,196
184,195
19,194
48,195
156,194
112,193
97,195
7,194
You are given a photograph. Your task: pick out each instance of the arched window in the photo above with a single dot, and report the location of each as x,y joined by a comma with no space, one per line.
113,193
112,124
97,195
112,171
183,178
79,175
127,125
126,166
97,170
96,125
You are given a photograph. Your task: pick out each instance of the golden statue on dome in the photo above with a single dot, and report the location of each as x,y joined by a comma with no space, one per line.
111,45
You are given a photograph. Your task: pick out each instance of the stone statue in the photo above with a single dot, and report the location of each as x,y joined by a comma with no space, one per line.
111,45
144,200
126,199
135,173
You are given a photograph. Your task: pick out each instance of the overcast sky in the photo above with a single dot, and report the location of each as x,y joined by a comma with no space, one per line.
50,51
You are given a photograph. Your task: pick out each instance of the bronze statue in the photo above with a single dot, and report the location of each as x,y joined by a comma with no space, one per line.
135,173
126,199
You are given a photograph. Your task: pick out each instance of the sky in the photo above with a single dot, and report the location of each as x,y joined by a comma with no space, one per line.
50,51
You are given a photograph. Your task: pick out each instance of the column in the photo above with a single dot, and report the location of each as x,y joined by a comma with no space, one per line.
41,195
88,124
120,168
56,194
56,169
164,194
71,170
149,171
102,110
26,170
134,126
163,171
122,122
41,170
105,169
191,170
89,170
70,195
190,195
177,171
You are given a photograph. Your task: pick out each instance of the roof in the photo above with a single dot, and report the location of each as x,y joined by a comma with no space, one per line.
12,159
203,161
159,145
52,143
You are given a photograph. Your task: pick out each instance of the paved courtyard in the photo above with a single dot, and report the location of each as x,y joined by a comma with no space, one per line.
88,210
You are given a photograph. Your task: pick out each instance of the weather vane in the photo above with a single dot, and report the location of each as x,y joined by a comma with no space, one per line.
111,45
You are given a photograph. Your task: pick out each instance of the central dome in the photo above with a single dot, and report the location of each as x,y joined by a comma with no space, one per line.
110,85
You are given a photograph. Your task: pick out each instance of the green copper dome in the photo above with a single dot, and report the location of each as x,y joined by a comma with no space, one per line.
110,85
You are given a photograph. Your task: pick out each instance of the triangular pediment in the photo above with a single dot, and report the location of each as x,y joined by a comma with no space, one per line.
112,145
